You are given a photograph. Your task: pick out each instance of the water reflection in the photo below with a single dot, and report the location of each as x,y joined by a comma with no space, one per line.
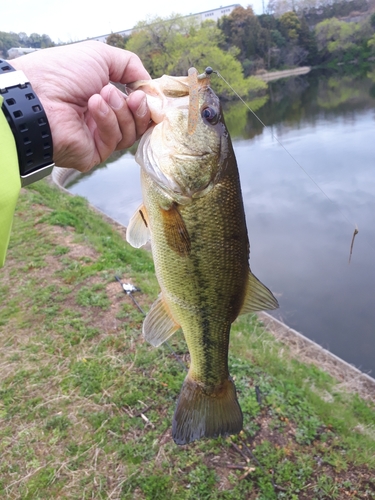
114,188
300,239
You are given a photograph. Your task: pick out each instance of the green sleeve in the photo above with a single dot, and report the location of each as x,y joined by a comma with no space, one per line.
10,183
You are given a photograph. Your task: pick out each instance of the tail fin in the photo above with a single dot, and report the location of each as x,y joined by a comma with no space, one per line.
200,415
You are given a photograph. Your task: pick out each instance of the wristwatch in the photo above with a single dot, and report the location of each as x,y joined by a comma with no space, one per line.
29,124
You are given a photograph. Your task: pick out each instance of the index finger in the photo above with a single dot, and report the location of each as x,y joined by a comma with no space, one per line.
125,66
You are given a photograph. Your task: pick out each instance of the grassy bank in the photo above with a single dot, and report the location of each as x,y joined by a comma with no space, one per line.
86,405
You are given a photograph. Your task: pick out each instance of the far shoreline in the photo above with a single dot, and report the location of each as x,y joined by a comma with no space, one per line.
275,75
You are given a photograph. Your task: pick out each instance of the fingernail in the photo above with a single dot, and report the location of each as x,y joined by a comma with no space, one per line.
115,100
103,107
142,108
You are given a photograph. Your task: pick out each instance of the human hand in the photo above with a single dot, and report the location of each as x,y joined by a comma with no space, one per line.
88,116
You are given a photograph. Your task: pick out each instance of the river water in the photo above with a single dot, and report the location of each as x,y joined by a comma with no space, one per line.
302,206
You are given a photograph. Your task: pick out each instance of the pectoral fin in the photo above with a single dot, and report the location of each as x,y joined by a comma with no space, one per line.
258,297
159,325
137,232
175,230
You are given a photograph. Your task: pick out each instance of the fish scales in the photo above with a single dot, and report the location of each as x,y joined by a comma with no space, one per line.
193,213
213,277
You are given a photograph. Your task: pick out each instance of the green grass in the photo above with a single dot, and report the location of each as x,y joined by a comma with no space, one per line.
86,405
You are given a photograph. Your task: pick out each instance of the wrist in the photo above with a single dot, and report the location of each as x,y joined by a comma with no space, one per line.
28,122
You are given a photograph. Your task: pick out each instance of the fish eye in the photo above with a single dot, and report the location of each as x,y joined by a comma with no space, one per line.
210,114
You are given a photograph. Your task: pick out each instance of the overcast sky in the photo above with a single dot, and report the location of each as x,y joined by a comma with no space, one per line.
73,20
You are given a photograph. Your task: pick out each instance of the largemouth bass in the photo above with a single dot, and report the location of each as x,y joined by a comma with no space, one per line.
193,213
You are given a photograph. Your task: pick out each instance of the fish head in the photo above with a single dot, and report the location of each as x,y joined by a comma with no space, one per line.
184,151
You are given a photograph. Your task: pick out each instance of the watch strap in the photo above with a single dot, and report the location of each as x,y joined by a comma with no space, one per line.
28,122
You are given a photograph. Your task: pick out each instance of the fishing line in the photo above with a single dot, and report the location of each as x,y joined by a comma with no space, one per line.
208,71
129,289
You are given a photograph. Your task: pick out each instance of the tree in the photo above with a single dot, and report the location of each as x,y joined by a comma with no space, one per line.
294,39
37,41
243,30
290,26
7,40
273,40
335,38
180,43
117,40
279,7
371,43
307,41
34,40
46,42
23,37
318,10
153,41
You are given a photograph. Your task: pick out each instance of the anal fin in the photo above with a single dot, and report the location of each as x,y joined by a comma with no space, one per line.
159,325
137,232
258,296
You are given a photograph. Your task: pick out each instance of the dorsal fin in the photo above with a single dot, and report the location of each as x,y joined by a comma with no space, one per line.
137,232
